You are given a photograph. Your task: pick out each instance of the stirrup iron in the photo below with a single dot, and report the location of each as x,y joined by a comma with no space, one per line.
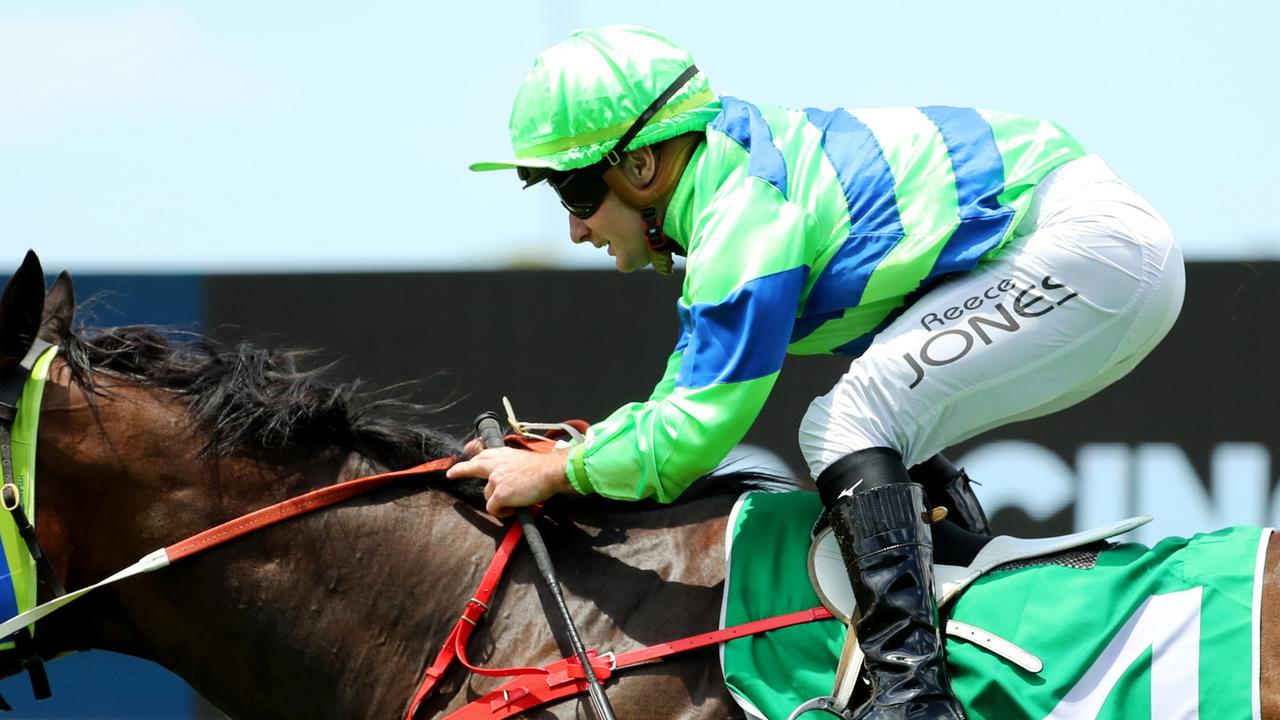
825,704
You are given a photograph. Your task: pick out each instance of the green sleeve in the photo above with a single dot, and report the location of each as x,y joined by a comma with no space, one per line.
658,449
668,381
574,467
744,279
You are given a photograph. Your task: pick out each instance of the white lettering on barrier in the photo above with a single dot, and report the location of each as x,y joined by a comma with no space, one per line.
1105,489
1111,481
1020,474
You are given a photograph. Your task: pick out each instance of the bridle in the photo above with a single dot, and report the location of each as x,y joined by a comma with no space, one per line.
17,494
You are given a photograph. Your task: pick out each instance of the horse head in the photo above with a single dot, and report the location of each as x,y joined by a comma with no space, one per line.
144,440
92,473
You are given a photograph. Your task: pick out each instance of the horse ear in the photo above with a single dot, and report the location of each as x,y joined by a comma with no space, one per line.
59,310
20,309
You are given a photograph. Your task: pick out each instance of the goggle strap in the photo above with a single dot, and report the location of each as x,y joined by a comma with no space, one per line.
613,155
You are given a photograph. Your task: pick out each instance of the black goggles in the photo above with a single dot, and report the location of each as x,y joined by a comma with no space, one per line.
582,190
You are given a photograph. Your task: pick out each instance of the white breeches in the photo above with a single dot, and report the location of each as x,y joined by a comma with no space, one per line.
1089,284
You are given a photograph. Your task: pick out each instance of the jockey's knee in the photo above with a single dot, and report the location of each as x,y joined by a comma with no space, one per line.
843,422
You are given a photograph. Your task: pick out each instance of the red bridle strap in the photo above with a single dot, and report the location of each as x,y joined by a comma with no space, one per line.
293,507
564,678
455,645
537,686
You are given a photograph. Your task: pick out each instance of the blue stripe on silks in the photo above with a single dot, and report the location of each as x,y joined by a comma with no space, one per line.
979,173
8,598
743,337
744,124
875,227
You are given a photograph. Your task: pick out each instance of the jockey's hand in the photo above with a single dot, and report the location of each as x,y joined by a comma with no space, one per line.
473,447
517,478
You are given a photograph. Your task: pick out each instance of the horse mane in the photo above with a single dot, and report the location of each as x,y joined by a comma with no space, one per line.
250,398
246,397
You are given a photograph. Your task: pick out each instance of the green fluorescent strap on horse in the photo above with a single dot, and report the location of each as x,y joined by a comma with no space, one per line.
805,232
22,566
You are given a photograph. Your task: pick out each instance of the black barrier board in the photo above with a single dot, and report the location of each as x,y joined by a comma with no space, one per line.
580,343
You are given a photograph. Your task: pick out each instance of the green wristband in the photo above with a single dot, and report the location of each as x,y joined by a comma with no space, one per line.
576,470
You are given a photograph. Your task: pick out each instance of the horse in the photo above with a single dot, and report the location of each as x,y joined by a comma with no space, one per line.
145,439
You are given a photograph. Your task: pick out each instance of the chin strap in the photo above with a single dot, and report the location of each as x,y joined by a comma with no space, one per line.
661,246
672,159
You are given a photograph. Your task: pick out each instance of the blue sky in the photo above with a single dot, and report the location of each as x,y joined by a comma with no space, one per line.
289,136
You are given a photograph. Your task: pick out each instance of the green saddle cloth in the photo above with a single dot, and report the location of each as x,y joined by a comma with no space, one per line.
1163,632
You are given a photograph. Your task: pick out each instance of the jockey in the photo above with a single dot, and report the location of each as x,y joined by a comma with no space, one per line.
979,268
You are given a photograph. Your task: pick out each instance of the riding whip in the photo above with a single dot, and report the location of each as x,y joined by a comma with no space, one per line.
491,434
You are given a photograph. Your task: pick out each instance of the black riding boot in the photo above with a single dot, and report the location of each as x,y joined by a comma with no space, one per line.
878,518
948,486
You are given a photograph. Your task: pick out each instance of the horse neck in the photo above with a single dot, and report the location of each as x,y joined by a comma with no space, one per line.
338,608
331,614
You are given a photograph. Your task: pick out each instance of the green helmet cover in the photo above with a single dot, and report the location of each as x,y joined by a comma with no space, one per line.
585,91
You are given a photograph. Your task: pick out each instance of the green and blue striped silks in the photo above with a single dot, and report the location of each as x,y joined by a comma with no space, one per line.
808,232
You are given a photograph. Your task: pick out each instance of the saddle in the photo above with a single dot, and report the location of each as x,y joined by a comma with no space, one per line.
831,583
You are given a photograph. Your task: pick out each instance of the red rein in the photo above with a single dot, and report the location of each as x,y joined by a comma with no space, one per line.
305,503
531,687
